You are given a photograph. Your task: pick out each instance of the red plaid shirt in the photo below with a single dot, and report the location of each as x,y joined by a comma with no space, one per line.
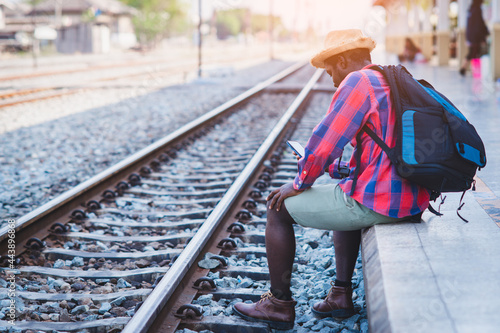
362,98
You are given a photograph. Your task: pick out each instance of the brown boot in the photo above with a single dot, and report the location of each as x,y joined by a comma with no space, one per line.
338,303
270,310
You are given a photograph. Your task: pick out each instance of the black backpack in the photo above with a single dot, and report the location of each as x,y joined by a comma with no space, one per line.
436,147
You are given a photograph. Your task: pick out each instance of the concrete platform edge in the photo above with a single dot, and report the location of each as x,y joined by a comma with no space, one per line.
378,314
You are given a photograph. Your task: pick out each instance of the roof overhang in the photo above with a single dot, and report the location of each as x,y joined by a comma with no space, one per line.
7,4
385,3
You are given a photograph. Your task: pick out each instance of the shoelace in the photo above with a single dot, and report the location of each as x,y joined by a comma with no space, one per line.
332,283
331,289
265,297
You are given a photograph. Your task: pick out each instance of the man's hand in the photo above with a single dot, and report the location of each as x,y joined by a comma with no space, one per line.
276,197
296,155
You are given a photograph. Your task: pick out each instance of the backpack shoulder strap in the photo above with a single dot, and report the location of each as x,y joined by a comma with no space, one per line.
381,143
390,73
377,68
385,70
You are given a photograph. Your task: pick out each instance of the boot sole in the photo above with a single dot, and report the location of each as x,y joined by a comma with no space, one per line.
340,313
279,325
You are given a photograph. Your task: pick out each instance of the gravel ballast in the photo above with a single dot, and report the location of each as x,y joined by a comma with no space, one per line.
51,146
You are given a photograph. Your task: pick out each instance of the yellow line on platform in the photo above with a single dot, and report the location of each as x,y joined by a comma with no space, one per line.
488,200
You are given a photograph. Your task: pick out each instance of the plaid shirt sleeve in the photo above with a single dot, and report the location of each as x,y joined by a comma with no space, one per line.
333,169
340,125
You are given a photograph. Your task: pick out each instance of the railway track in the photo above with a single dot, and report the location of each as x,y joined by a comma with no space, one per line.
21,96
122,251
67,81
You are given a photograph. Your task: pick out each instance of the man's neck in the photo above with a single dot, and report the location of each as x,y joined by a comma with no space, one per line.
364,64
359,66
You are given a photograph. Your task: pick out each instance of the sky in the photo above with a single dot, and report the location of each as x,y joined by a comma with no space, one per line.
324,15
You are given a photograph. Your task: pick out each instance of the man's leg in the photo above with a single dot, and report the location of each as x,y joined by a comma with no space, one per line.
346,245
280,249
277,307
338,302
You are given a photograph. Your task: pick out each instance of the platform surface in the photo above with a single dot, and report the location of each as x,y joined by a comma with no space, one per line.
442,275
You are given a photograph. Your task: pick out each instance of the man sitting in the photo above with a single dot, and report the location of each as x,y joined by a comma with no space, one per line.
380,195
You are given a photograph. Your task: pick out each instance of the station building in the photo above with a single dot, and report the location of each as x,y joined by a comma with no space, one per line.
437,27
78,26
89,26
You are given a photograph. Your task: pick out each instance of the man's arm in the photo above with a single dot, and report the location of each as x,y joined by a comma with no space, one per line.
334,170
276,197
349,106
340,125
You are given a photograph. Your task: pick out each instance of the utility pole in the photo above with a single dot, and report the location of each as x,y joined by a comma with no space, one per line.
58,13
271,28
34,41
199,38
296,21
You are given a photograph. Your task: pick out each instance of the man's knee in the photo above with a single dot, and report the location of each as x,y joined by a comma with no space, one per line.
279,216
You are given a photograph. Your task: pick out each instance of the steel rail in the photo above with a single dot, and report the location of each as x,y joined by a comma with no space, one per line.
150,309
80,87
35,222
78,70
41,98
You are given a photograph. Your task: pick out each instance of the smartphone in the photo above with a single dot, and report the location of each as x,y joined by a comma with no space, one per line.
297,148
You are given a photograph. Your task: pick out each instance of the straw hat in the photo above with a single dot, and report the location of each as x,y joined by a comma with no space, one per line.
339,41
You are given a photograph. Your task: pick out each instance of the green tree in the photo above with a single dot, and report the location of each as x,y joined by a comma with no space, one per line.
235,21
158,19
229,23
260,23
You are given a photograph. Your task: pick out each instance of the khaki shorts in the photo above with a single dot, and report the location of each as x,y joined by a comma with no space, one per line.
328,207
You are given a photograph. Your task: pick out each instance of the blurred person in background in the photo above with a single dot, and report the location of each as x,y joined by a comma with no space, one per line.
411,52
475,33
